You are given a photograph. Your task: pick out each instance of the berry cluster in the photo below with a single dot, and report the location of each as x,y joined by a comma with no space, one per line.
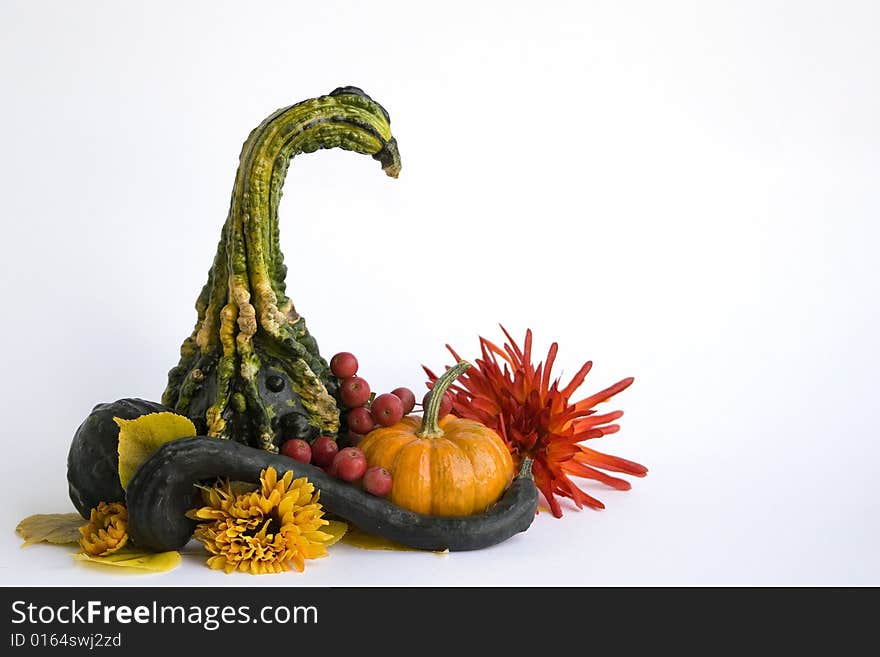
363,410
348,464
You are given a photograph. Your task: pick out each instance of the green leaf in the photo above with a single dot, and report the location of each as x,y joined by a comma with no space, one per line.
133,558
57,528
139,438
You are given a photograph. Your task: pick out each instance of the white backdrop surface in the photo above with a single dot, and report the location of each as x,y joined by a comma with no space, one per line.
684,192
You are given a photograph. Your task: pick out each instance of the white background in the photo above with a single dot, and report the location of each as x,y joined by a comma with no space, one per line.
685,192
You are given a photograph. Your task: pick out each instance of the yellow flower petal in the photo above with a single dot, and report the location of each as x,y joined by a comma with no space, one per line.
334,531
287,478
268,477
106,531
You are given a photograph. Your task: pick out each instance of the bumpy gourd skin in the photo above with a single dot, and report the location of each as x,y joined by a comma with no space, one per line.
250,371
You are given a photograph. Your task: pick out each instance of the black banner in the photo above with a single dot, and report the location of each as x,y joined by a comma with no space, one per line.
257,620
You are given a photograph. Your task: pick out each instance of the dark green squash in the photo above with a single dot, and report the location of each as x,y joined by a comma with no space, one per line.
163,489
93,460
250,371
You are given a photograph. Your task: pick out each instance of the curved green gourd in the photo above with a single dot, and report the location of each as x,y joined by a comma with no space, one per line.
250,371
161,492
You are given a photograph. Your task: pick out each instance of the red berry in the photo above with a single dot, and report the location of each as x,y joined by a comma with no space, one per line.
377,481
323,451
407,397
387,409
360,420
350,464
344,365
445,404
354,391
297,449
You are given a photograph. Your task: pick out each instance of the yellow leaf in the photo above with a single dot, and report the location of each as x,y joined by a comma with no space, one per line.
336,529
133,558
360,539
57,528
140,437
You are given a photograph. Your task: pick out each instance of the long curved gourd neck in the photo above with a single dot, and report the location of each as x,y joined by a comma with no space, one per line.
346,118
245,292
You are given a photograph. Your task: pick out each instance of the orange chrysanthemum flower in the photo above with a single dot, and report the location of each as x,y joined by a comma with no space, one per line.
269,530
536,418
106,531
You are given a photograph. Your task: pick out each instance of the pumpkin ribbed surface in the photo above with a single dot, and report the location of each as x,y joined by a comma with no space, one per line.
461,472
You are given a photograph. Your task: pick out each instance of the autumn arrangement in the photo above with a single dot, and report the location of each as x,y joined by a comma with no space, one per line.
267,454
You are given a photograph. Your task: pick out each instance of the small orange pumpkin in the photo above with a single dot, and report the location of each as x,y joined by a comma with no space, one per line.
450,467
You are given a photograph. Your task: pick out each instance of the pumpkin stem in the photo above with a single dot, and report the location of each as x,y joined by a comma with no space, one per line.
430,427
525,469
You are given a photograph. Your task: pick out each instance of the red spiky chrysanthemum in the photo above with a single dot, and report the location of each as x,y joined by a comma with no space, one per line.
537,419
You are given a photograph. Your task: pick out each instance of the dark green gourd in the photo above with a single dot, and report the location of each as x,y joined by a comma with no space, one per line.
163,489
93,460
250,371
